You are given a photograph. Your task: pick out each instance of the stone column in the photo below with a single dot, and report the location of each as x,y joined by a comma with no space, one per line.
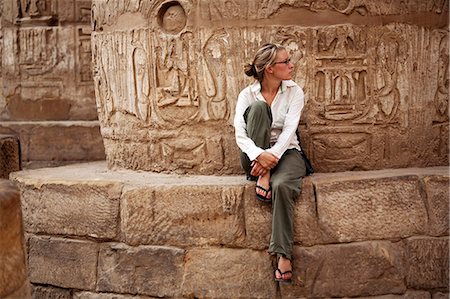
13,274
167,75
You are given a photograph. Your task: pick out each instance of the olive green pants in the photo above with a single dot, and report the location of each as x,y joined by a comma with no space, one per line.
285,179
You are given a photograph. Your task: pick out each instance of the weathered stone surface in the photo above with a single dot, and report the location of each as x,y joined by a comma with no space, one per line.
74,141
90,295
149,270
427,262
84,208
24,292
375,80
307,230
437,191
12,255
41,292
228,273
439,295
258,220
9,155
356,269
410,294
178,215
65,263
375,208
47,72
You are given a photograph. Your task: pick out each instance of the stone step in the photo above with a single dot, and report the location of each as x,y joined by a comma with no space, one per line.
128,232
55,143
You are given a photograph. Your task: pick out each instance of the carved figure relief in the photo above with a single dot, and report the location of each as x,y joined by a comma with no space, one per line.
175,57
387,93
141,83
441,97
216,56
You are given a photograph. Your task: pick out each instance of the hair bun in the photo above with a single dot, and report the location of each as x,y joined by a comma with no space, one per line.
250,70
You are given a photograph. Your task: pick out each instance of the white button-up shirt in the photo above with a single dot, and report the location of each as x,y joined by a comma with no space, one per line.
286,110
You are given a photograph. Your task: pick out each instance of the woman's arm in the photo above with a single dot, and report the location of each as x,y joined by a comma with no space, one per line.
243,141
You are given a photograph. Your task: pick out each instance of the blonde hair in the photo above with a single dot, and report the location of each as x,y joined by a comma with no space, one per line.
264,57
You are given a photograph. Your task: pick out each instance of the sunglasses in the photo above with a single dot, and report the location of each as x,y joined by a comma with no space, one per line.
287,61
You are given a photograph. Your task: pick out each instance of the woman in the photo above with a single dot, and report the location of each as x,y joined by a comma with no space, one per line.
266,121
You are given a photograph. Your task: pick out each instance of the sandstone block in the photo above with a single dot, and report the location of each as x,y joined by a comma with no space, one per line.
440,295
427,262
87,208
183,215
41,292
9,155
62,262
228,273
356,269
373,208
148,270
12,255
410,294
91,295
437,192
258,220
307,230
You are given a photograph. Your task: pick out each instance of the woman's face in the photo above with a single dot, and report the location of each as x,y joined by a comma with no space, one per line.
283,68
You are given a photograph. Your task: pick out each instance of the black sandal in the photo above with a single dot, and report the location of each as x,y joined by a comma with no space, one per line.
264,198
286,281
289,280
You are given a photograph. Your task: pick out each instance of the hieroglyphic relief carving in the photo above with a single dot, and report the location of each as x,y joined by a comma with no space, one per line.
84,55
188,73
220,10
441,97
83,11
36,11
340,79
38,50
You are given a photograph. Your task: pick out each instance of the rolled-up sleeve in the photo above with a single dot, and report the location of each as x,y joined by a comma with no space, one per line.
243,141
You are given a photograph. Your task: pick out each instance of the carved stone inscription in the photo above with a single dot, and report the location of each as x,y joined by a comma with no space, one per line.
47,74
376,95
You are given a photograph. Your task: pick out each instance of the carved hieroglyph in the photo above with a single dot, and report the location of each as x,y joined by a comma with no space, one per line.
167,75
46,61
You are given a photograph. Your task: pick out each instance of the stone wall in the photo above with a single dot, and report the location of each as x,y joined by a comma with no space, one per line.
119,234
47,92
375,74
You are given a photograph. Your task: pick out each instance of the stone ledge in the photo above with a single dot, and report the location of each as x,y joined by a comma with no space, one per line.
86,199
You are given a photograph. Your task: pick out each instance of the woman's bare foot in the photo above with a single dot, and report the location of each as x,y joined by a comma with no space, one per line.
284,271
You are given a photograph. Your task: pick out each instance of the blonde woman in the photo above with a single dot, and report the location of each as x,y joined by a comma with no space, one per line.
266,120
